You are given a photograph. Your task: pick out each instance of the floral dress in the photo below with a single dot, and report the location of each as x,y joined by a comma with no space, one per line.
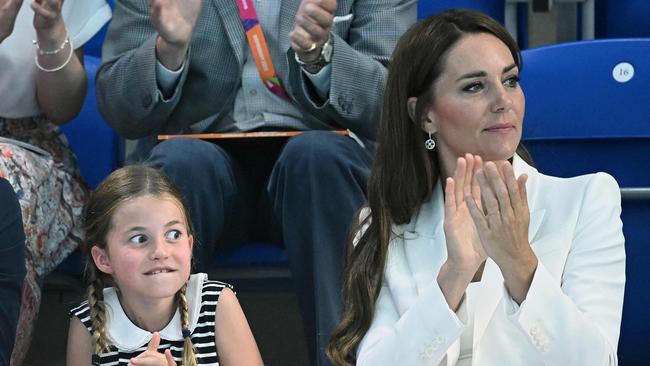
36,160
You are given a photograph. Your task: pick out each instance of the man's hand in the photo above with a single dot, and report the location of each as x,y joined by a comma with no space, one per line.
174,20
314,21
8,12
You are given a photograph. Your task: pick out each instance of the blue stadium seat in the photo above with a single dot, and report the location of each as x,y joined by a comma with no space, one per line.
94,45
96,145
493,8
579,120
622,18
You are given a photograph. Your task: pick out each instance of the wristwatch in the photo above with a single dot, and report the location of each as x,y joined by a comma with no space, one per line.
325,57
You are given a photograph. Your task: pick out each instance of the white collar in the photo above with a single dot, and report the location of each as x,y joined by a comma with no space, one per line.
127,336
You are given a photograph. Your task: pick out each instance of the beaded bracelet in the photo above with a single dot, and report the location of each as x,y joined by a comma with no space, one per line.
67,60
53,52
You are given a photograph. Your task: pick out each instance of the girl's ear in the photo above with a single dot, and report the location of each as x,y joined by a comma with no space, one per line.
191,240
101,259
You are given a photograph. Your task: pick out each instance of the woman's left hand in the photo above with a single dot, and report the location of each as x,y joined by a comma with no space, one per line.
47,14
502,225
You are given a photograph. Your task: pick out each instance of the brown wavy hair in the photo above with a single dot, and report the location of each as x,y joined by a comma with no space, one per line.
121,186
404,173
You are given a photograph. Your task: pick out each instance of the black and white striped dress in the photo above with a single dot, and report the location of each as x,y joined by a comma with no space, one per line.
128,340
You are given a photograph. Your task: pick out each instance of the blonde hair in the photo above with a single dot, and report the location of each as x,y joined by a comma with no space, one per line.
121,186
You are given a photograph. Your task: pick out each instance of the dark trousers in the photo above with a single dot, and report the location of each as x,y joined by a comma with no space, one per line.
310,191
12,268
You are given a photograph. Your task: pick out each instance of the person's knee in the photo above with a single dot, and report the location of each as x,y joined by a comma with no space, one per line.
185,154
321,151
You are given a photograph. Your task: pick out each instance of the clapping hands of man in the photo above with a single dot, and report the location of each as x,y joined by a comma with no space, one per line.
174,20
314,21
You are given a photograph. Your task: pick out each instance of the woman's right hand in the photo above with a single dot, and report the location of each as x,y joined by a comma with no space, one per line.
465,252
464,249
8,12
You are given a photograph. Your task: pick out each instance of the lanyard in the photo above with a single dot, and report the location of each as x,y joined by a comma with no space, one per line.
258,47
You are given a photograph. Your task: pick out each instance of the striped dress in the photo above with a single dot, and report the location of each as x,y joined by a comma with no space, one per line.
128,340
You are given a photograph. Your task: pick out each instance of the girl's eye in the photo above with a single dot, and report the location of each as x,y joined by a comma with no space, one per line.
512,81
473,87
173,235
138,239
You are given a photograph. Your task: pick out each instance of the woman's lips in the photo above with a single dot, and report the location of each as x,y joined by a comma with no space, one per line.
500,128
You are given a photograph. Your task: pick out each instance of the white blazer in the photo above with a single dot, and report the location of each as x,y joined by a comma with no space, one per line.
571,314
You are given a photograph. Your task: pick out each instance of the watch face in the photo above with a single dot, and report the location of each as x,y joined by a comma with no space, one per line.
326,52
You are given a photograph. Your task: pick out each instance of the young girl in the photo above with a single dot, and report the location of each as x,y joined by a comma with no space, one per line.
139,238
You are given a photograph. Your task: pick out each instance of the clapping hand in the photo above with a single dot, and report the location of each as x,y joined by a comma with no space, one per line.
464,248
47,13
314,21
502,224
151,357
8,12
174,20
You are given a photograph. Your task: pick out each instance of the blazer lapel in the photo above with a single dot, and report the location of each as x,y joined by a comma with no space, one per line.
537,211
424,242
492,286
229,13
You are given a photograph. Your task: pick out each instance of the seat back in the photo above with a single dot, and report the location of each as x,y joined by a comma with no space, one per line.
579,119
622,18
96,145
94,45
493,8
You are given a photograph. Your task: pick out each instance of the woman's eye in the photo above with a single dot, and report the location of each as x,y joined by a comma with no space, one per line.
512,81
473,87
173,235
138,239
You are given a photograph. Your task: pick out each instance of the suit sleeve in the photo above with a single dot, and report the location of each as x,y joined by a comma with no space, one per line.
420,336
358,65
128,96
578,323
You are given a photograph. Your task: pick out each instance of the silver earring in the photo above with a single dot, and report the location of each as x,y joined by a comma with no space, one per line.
429,144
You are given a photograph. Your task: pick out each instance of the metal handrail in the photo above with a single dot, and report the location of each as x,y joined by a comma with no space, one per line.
636,193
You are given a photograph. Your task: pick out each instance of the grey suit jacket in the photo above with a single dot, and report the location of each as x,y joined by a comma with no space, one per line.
128,96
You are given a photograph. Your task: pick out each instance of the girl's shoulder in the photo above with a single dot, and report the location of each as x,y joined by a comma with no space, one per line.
207,286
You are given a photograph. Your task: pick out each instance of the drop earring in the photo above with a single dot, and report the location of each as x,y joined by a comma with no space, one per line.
429,144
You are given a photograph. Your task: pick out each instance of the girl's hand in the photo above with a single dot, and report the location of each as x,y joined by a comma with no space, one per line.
151,357
8,12
47,14
502,224
464,249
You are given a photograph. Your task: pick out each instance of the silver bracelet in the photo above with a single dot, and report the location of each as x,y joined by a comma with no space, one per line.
53,52
67,61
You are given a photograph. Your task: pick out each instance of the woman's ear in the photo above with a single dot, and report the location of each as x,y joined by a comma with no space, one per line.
428,119
411,105
428,125
100,257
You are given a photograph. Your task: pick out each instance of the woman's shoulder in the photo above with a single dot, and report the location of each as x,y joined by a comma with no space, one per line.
600,182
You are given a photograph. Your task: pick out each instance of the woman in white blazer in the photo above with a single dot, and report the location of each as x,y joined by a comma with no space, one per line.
465,254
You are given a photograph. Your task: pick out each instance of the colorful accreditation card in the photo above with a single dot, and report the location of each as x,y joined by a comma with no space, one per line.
258,46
